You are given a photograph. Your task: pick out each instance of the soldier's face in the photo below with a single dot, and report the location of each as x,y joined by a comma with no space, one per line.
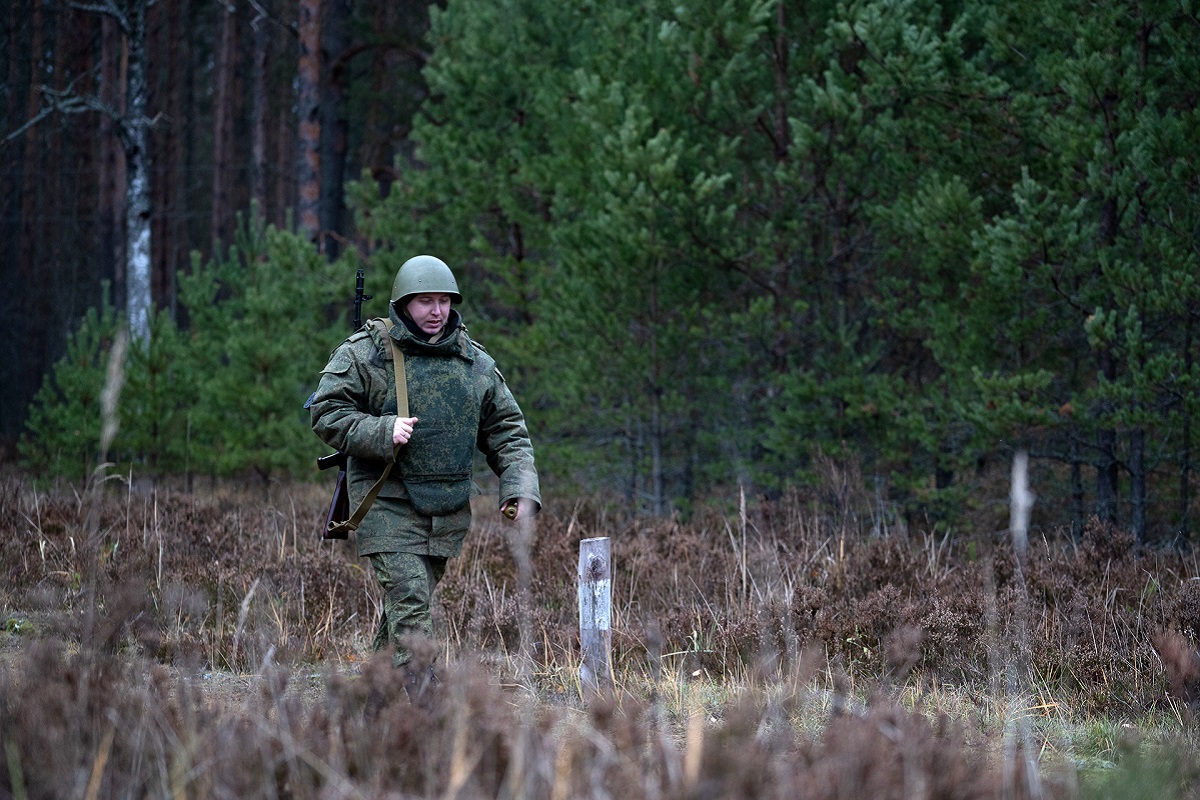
429,311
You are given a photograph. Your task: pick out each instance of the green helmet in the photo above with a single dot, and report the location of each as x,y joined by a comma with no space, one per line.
424,275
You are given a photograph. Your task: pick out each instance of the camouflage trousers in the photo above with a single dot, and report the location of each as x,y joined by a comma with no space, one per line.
408,581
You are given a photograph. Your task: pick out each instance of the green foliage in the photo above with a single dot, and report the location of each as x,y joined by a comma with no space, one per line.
665,181
1091,275
714,240
225,396
715,243
157,399
1147,773
62,433
258,320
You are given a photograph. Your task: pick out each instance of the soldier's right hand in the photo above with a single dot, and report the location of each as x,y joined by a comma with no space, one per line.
402,430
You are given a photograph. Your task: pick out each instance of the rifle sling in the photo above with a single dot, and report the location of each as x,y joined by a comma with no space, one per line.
356,518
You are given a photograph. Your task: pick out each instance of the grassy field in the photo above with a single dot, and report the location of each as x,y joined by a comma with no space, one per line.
208,645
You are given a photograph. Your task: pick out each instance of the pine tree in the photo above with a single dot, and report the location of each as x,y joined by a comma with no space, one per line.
156,403
1098,259
716,241
62,432
255,346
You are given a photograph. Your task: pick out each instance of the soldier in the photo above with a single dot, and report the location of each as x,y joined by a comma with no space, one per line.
458,401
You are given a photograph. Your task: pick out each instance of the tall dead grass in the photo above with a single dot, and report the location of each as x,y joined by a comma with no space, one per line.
211,646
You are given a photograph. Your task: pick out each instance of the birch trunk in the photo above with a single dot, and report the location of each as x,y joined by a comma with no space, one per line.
139,302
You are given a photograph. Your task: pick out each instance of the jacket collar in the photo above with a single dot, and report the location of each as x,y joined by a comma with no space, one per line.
453,340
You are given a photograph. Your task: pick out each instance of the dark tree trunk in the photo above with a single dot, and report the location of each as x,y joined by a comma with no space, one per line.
1106,438
171,235
259,113
334,126
55,183
1077,509
35,355
657,482
1106,475
111,199
1185,455
19,159
81,276
308,97
397,88
13,390
224,77
375,151
31,163
285,166
1137,484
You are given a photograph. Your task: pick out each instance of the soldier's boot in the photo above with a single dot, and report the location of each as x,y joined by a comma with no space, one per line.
421,684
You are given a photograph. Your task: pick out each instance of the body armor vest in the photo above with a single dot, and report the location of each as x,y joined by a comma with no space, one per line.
436,463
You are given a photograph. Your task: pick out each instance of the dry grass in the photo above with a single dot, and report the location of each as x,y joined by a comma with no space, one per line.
195,645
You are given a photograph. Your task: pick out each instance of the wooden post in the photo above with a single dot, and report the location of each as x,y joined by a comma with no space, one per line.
595,615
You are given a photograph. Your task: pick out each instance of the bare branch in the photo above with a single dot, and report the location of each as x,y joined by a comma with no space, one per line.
261,14
68,102
41,115
65,101
107,7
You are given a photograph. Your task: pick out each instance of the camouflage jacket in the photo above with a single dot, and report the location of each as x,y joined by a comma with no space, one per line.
461,402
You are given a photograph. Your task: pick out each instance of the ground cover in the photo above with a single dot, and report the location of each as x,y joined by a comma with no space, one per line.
207,644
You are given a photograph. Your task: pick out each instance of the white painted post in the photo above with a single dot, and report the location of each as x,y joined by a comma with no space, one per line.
595,615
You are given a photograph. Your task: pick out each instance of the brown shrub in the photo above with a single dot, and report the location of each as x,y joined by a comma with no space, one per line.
180,602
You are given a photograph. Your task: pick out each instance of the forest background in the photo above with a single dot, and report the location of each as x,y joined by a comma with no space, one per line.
876,245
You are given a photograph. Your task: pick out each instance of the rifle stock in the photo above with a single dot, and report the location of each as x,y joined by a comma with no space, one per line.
332,460
339,504
339,507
